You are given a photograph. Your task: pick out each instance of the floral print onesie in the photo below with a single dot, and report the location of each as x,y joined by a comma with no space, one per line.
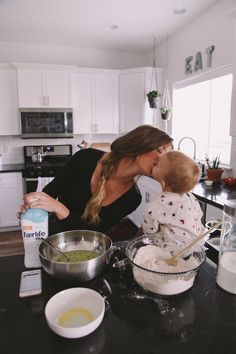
175,218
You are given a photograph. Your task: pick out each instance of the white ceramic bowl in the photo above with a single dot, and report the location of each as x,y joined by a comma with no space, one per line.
75,312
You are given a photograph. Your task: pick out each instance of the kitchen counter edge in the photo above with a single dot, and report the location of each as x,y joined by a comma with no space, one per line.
18,167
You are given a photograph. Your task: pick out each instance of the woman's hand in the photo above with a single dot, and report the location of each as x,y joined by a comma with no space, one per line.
44,201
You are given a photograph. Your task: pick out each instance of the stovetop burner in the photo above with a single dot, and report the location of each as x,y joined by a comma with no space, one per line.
44,164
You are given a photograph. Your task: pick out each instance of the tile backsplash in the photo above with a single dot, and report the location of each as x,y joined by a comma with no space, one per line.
11,147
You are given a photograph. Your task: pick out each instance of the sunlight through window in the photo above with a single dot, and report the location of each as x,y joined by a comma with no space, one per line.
202,112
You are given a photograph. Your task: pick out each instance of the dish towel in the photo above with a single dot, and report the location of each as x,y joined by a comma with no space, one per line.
42,182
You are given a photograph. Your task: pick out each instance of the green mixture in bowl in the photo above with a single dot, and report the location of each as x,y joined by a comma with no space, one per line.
76,256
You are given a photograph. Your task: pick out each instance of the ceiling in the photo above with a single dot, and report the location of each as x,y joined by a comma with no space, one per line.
92,23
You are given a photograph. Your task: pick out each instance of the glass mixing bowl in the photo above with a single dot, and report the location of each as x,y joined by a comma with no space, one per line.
163,283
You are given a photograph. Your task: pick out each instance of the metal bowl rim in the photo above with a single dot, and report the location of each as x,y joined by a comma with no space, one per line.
80,262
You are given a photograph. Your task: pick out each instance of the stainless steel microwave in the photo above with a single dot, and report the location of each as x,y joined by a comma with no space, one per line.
46,123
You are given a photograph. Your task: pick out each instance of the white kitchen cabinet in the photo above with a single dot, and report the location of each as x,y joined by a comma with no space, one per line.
134,110
9,119
149,188
95,102
44,88
11,194
82,88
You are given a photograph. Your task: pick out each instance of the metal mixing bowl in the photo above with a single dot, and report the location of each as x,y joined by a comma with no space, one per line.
73,241
162,283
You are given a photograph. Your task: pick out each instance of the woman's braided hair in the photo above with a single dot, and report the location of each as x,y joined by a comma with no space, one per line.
143,139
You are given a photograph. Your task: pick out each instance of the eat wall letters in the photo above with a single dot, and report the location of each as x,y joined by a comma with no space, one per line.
189,67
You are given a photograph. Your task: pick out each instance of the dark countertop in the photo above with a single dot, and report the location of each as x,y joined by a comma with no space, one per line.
215,195
201,320
17,167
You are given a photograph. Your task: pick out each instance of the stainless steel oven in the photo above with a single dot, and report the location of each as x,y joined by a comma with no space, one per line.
46,123
55,158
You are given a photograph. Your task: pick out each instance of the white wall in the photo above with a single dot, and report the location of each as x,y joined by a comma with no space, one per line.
214,27
84,57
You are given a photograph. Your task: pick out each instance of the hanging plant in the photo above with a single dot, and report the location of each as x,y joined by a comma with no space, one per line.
166,112
166,109
153,97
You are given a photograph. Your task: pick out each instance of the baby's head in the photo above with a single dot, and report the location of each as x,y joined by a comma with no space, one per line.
176,172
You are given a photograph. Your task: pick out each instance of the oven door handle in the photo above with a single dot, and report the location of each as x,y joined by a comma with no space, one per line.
31,179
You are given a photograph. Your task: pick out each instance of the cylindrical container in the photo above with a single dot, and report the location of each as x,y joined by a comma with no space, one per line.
226,273
34,225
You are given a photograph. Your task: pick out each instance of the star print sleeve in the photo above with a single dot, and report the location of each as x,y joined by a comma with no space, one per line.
151,218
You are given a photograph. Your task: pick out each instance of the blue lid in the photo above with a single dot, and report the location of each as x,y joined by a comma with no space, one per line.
35,215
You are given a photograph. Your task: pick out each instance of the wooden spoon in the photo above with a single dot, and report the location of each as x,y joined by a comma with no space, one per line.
172,261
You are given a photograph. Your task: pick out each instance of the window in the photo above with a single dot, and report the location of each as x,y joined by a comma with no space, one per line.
202,112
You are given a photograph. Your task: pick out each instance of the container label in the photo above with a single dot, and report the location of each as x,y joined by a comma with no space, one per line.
35,234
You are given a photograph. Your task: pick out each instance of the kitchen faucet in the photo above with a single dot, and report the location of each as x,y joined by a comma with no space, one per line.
194,145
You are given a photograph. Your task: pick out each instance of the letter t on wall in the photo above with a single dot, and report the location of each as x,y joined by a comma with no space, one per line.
209,51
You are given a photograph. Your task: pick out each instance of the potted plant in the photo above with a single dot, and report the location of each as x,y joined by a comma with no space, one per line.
214,172
153,98
166,112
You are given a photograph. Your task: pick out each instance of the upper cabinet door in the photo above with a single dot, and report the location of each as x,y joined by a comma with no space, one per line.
106,104
58,89
134,107
82,87
132,99
9,120
42,89
95,103
31,88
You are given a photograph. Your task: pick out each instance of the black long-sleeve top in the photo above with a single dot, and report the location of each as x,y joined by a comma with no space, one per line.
72,188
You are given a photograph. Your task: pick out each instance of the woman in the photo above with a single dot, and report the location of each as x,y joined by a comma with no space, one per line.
95,189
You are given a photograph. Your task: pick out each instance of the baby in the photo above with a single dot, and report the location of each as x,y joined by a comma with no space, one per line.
175,214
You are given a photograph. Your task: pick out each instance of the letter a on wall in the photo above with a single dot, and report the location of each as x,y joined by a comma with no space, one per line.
198,62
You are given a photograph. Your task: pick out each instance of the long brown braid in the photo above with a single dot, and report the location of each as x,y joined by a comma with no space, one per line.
93,207
143,139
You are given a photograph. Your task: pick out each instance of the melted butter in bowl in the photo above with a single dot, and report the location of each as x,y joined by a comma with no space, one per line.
75,317
75,312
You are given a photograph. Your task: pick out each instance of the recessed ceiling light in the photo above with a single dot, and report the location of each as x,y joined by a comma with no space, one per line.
179,10
113,27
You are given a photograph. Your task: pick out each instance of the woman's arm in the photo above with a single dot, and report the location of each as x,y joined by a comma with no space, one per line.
46,202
